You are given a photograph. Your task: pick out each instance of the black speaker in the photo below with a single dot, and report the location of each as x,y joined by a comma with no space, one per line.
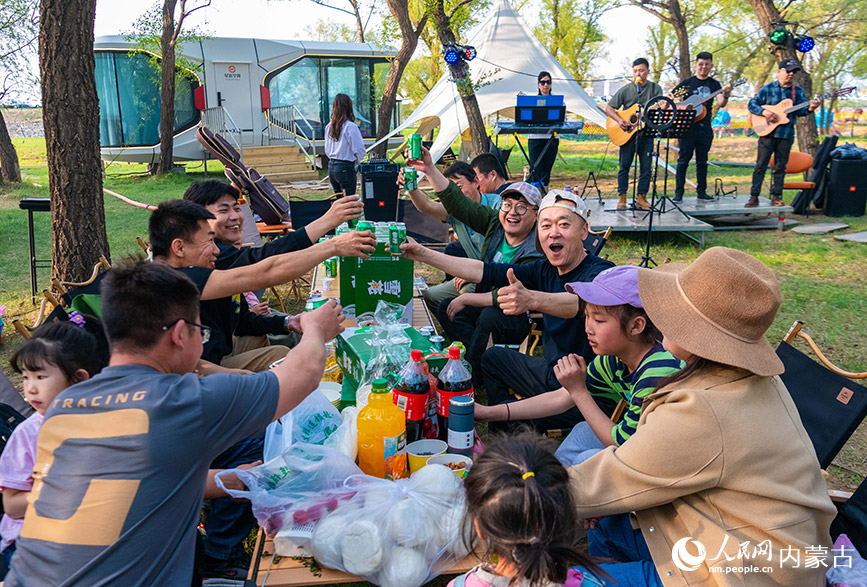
847,188
379,190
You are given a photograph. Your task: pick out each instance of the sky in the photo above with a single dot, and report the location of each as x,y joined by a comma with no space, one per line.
287,19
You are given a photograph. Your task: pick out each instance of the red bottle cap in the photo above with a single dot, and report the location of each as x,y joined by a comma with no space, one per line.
454,352
416,355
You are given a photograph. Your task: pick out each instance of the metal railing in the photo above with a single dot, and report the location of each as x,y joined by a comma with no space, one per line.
288,123
220,121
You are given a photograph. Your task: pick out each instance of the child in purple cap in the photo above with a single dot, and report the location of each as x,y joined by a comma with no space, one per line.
630,360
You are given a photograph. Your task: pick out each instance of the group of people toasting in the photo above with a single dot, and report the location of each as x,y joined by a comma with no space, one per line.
697,92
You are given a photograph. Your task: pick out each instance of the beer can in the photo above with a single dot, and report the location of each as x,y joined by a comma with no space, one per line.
352,223
314,302
364,225
410,176
345,227
415,147
396,237
437,342
331,267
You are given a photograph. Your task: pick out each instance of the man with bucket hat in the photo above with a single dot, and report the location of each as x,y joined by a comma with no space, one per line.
779,142
536,286
720,476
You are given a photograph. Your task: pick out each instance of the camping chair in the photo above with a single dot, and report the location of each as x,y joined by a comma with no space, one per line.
830,404
596,240
798,163
83,297
851,516
24,330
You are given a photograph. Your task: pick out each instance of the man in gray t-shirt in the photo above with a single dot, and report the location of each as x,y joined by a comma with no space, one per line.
123,458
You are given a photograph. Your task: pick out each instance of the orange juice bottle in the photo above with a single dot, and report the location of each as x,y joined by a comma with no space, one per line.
382,435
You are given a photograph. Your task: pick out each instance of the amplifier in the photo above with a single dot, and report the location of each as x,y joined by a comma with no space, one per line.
379,190
847,188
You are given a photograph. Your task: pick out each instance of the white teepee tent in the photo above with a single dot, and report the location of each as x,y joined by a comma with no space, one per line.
509,59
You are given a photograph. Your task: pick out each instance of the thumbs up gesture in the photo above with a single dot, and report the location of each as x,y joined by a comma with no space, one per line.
514,299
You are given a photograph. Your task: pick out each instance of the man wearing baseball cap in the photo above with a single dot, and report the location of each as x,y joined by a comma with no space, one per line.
509,237
779,142
536,286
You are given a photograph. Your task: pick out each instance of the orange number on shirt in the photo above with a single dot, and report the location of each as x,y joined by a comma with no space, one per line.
100,516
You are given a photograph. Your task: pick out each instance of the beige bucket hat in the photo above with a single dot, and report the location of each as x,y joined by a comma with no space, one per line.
719,308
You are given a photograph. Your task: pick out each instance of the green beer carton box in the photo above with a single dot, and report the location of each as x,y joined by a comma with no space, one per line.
355,351
348,269
381,277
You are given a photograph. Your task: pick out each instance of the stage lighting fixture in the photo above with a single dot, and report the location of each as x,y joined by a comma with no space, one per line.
451,54
470,52
778,35
804,43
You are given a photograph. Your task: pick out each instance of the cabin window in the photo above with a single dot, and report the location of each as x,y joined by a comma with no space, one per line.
128,86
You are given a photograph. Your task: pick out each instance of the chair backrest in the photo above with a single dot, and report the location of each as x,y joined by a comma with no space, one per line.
831,406
303,212
852,519
798,162
423,228
596,240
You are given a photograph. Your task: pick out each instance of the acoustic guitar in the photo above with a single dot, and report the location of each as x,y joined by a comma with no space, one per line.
763,128
695,101
617,135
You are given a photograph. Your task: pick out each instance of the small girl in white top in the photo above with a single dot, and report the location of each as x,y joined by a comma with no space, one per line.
344,146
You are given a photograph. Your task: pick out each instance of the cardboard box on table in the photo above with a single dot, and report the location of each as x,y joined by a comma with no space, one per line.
363,282
355,351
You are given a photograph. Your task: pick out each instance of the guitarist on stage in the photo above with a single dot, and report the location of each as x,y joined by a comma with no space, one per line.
699,137
640,91
779,142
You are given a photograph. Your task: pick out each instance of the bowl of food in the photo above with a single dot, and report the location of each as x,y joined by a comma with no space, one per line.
419,452
457,463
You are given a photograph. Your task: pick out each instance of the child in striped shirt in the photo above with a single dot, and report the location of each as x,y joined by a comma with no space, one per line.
630,361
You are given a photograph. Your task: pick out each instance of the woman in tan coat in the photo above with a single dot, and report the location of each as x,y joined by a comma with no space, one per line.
719,485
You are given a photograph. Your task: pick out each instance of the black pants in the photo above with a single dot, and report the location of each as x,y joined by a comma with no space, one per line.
473,326
342,176
644,144
780,149
542,172
697,140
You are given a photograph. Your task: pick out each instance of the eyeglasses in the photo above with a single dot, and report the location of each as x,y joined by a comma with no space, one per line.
545,82
520,209
206,330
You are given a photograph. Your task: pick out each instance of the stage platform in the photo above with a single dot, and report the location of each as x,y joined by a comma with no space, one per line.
693,224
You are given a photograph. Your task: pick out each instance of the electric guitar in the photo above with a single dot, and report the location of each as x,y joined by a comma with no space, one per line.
694,101
763,128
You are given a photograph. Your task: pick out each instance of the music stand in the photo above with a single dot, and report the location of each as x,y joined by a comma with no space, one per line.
666,123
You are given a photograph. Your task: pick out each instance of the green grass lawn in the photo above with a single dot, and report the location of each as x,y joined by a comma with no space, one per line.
823,280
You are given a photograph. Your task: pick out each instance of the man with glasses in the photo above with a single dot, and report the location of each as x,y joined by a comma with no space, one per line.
123,462
699,137
509,237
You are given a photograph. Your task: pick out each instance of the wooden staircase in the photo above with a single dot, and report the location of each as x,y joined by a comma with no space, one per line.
280,163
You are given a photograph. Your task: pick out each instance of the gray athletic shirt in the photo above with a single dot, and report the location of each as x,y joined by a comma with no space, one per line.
120,473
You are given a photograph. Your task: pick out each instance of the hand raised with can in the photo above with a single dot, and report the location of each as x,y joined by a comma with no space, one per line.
324,321
343,210
412,250
354,244
424,163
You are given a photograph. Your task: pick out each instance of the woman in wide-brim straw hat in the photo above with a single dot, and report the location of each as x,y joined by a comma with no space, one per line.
720,468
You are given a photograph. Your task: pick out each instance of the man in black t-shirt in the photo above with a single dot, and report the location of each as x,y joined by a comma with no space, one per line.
699,137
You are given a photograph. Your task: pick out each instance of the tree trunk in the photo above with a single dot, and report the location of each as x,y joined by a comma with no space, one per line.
359,27
9,170
70,112
808,135
678,21
461,74
555,33
167,88
409,39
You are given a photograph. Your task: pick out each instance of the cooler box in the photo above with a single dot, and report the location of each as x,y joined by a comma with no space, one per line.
354,352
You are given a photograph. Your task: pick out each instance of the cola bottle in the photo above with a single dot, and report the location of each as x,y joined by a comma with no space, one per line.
411,393
454,380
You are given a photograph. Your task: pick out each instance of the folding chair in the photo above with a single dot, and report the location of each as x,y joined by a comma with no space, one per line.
596,240
24,330
830,404
83,297
851,516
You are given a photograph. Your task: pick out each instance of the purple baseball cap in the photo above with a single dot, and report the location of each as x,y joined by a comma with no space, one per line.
613,287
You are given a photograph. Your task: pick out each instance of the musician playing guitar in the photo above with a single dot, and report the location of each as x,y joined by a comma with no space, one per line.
699,137
779,142
638,92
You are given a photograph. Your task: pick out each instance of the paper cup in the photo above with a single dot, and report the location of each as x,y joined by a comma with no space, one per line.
326,283
331,391
420,451
446,459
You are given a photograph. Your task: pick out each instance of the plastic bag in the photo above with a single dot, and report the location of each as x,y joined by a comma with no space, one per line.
390,344
298,487
396,533
850,568
314,421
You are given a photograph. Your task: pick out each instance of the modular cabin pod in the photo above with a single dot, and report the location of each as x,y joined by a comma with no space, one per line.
255,92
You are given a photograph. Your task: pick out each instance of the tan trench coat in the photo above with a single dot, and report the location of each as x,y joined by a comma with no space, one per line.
721,458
